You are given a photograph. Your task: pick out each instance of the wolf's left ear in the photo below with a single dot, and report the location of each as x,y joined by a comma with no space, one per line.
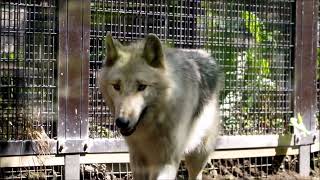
112,53
153,52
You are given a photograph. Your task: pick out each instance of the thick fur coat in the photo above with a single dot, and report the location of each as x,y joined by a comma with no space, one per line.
165,103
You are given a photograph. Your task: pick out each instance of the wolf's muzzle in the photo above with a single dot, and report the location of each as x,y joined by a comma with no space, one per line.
126,129
124,125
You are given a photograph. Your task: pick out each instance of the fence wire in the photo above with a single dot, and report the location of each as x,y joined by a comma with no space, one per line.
252,40
105,171
315,164
264,167
28,64
35,172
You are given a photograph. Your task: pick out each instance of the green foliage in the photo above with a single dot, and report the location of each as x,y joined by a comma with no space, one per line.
10,56
102,132
249,68
244,46
256,27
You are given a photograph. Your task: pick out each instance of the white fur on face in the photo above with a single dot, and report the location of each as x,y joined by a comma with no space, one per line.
130,107
128,102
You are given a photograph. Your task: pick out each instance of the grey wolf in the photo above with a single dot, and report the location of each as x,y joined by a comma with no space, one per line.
165,103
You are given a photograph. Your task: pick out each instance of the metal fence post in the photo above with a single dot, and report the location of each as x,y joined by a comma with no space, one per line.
74,41
305,75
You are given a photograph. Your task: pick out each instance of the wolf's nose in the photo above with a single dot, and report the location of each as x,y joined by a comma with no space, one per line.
122,123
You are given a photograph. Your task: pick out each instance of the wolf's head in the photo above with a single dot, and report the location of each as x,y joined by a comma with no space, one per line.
132,80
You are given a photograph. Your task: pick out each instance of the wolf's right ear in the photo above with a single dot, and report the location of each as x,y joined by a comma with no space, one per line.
112,53
153,52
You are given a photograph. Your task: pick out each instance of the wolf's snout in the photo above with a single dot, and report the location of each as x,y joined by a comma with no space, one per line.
122,123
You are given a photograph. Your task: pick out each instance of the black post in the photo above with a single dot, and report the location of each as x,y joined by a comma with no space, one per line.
305,75
74,42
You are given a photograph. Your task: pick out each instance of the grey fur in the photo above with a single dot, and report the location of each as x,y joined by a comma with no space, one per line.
180,100
191,63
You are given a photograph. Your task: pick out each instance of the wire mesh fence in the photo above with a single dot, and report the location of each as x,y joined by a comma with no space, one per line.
269,167
28,39
36,172
106,171
264,167
315,163
252,40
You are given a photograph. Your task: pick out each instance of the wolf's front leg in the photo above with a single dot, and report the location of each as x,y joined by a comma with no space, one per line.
143,175
167,172
140,172
139,169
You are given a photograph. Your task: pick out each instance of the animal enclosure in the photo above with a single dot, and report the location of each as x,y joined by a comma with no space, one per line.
55,125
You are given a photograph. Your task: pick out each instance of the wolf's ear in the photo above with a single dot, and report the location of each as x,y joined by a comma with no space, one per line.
153,52
112,53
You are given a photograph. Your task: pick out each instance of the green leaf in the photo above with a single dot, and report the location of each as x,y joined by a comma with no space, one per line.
253,24
265,67
11,56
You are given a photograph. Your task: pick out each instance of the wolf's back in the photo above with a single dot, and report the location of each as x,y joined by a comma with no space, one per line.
198,69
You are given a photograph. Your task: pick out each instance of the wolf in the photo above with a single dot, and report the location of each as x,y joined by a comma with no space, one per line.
165,104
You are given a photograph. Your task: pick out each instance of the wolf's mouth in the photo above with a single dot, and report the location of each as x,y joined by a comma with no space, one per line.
129,131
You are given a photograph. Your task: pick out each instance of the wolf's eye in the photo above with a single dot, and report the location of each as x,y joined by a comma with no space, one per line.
116,87
141,87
